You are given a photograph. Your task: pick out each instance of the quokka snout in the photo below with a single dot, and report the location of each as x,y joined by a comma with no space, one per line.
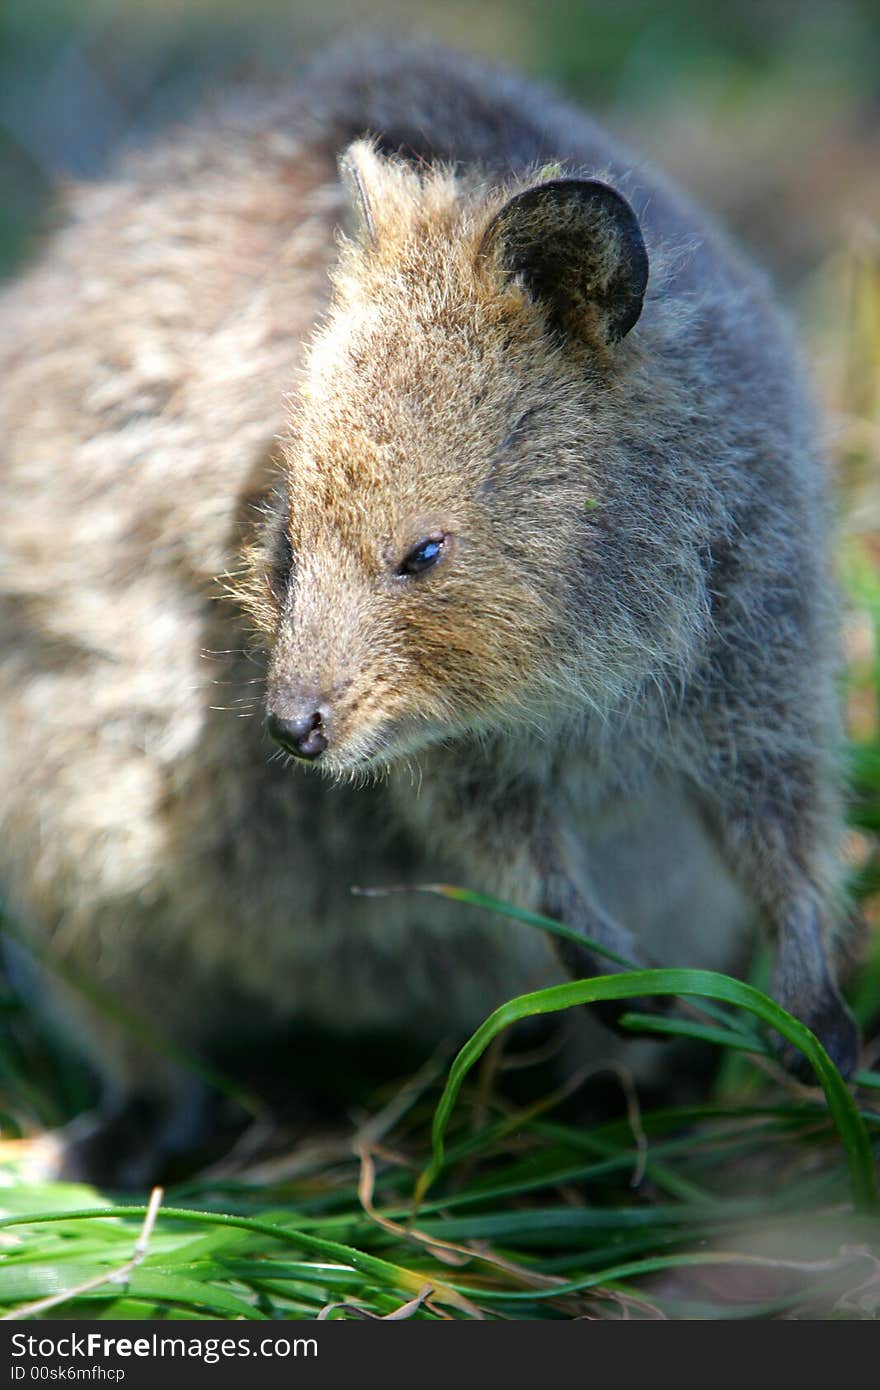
539,581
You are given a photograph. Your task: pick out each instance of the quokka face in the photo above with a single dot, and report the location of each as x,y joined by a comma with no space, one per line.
415,577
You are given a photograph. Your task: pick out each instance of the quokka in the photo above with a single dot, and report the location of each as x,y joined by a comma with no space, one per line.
538,581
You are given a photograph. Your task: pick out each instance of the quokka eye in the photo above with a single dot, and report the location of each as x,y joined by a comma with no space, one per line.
422,556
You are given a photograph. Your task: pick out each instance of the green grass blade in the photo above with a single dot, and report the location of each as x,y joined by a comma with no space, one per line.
382,1271
868,1079
628,1270
521,914
700,1032
704,983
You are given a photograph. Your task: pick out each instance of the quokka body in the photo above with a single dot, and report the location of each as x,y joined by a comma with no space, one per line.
503,461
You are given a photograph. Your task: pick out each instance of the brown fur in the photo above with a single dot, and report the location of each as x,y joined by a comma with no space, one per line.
611,699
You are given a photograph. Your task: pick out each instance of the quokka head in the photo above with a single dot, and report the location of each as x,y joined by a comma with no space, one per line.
421,578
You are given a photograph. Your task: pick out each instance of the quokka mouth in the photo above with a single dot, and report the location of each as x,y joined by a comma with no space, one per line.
360,755
393,743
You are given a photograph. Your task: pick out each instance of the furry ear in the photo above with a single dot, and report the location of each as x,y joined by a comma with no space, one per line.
577,246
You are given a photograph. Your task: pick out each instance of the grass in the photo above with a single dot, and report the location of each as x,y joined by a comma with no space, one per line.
550,1220
761,1201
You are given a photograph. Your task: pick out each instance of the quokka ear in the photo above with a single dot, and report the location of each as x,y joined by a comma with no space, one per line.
577,246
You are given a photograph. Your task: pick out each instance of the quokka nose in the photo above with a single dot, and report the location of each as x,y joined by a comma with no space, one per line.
303,736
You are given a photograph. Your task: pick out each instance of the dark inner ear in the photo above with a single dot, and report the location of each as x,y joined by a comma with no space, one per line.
578,247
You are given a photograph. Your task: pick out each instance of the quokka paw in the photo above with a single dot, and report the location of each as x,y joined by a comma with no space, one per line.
838,1033
119,1149
129,1143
